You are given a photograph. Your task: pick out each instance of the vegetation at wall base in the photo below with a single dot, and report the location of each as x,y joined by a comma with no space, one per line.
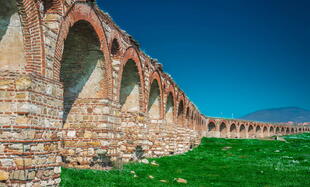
216,162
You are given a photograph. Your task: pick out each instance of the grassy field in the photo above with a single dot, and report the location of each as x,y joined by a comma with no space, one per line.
216,162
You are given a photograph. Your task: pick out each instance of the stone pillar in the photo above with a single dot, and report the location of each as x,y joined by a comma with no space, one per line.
30,135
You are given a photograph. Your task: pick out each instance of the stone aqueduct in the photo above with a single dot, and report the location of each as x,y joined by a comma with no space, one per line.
76,91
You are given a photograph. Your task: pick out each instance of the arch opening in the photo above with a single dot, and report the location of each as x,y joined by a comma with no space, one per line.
251,132
242,131
187,117
7,9
211,127
13,37
233,131
180,112
154,103
271,131
130,88
258,132
265,131
169,108
282,130
223,130
82,67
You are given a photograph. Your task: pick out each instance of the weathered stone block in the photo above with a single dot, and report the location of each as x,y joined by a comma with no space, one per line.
23,83
4,175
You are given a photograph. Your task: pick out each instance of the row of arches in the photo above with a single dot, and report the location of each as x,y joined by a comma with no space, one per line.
82,57
83,60
83,63
161,104
243,130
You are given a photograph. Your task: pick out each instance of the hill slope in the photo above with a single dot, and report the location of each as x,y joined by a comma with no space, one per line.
294,114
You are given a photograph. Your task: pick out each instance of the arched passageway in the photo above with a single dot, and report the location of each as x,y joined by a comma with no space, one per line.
292,131
82,69
251,132
233,133
169,108
271,131
258,132
265,132
282,131
242,131
278,131
181,113
193,120
212,129
130,88
187,117
223,130
154,104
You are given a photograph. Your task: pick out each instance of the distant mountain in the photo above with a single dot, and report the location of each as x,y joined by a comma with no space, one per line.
286,114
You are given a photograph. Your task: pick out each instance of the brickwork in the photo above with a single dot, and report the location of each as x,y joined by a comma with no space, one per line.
78,92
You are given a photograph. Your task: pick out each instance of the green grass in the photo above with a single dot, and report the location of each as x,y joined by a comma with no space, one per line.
247,163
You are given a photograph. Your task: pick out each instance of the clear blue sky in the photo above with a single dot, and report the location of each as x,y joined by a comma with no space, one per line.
229,56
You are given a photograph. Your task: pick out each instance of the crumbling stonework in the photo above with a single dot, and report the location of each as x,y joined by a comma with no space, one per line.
76,91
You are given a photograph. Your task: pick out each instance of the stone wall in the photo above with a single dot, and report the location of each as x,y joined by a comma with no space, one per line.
77,91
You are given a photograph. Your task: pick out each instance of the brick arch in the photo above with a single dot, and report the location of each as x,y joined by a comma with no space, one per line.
195,119
212,125
179,116
171,90
251,130
277,130
187,115
132,54
156,76
258,130
242,130
168,91
73,16
233,130
188,111
192,126
265,131
33,36
271,130
223,129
